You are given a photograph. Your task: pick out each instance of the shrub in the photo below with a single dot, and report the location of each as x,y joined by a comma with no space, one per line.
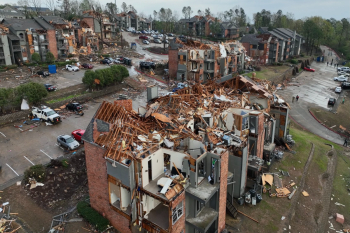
10,67
92,216
294,61
279,64
274,63
258,68
37,172
302,55
34,92
89,78
106,55
50,58
30,64
36,57
70,55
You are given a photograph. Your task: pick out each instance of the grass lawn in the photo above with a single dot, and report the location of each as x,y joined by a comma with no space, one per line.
330,119
269,72
294,163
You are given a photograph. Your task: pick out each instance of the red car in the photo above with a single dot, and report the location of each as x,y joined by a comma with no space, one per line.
77,134
309,69
87,66
143,37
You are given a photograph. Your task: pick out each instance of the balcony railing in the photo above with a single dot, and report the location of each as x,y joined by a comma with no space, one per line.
16,47
44,41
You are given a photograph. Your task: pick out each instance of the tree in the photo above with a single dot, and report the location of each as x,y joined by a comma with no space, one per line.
207,12
50,58
33,92
200,13
85,5
111,10
155,15
36,57
215,27
89,78
187,11
51,5
124,7
132,8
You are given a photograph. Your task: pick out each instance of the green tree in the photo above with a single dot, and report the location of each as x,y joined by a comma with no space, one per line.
36,57
33,92
215,27
89,78
50,58
4,95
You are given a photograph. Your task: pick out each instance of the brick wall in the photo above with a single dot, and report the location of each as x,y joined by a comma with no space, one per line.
127,104
180,224
51,37
247,48
207,28
223,192
173,62
80,36
98,187
90,21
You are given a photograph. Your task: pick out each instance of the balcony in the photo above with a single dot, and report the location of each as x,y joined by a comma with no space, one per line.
60,37
209,71
44,42
2,56
45,51
157,218
16,47
205,220
62,47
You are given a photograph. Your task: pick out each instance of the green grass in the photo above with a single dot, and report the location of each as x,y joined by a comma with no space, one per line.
63,98
269,73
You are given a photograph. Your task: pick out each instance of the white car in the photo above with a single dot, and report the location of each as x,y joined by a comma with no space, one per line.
45,113
145,41
337,89
116,61
344,68
341,79
343,73
72,68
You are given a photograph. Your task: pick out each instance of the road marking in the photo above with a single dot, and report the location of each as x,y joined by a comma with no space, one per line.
3,134
46,154
20,129
12,169
28,160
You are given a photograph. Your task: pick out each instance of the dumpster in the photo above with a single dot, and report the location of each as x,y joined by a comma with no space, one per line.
52,69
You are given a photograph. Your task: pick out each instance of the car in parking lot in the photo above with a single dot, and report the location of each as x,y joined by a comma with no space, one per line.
145,41
331,101
166,41
157,41
74,106
87,66
105,61
77,134
341,79
43,73
143,37
72,68
345,85
344,68
180,86
308,68
170,34
147,65
50,87
337,90
68,142
343,73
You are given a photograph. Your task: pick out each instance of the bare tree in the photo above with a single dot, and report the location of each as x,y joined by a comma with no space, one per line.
124,7
51,5
155,13
37,5
24,4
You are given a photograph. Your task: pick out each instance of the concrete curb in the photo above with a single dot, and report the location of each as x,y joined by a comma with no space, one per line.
325,125
150,51
150,76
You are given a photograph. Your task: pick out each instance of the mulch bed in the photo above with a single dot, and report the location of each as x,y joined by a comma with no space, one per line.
61,183
158,50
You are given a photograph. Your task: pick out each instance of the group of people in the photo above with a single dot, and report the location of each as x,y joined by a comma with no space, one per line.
296,97
335,65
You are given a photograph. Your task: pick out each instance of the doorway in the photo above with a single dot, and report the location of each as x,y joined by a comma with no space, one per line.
150,170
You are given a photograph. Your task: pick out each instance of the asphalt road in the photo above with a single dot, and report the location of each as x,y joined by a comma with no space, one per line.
314,90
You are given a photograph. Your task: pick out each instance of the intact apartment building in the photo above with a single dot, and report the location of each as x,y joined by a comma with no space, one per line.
173,166
202,62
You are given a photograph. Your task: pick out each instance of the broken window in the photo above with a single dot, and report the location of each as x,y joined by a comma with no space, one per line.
21,36
201,168
245,122
253,124
177,212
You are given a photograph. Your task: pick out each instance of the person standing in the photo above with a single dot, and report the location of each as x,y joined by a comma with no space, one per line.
297,98
345,142
327,63
293,99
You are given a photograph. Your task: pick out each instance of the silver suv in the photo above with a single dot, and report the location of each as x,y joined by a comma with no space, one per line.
68,142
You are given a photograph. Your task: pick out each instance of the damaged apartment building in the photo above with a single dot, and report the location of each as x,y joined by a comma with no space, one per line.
201,62
175,165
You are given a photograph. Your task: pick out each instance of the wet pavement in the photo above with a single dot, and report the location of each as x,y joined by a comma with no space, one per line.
314,90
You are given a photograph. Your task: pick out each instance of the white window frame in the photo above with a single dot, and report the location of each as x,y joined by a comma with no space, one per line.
177,212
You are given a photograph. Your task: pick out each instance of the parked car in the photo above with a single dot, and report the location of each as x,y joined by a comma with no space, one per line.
105,61
170,34
43,73
345,85
180,86
166,41
145,41
67,141
308,68
87,66
120,58
337,89
341,79
344,68
74,106
72,68
143,37
331,101
147,65
117,61
157,41
50,87
46,114
343,73
77,134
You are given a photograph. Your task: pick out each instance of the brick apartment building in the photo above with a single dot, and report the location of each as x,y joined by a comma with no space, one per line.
188,62
174,167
